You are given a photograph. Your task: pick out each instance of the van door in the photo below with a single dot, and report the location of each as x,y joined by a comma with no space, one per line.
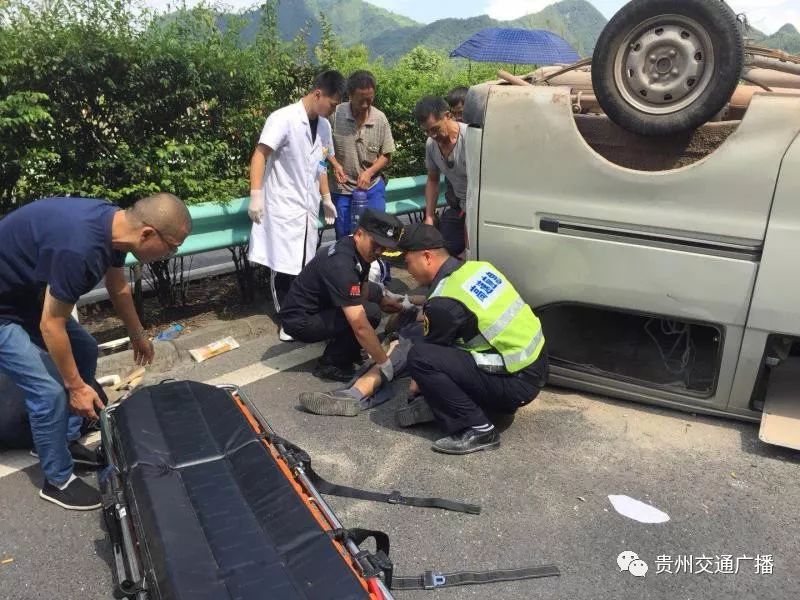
768,373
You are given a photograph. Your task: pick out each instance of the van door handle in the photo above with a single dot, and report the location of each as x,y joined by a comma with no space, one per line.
548,225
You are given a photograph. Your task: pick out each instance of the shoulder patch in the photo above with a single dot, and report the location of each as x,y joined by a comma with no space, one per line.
426,325
355,291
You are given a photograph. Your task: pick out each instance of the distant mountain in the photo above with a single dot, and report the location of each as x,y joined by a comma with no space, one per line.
787,38
577,21
353,21
391,35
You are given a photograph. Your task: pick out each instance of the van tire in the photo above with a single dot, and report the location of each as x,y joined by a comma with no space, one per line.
662,67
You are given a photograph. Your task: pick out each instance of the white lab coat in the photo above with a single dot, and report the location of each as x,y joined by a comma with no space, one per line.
288,231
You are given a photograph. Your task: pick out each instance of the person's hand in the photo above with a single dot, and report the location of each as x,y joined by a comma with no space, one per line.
413,388
142,351
339,173
387,370
391,305
255,210
364,180
83,401
328,209
428,220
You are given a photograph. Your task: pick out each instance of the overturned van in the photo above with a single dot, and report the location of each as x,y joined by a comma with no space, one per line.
663,269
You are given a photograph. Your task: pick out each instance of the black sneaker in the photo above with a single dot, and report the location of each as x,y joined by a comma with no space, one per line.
467,442
325,370
335,403
81,455
415,411
78,495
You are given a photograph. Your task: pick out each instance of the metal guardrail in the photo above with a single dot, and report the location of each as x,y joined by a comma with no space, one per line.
218,225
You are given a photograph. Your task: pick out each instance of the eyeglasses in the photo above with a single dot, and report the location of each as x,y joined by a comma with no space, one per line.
173,248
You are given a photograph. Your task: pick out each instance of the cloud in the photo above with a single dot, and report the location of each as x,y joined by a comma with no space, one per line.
505,10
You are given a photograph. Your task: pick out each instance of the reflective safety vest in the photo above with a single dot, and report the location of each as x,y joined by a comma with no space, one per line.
510,337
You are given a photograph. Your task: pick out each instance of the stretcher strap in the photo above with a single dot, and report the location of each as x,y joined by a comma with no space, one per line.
431,580
332,489
295,454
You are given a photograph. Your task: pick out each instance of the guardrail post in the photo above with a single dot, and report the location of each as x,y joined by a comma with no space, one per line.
244,273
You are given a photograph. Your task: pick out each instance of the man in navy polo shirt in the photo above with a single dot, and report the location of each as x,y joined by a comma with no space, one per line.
52,251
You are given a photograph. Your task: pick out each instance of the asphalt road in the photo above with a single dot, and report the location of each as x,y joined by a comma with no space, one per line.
544,497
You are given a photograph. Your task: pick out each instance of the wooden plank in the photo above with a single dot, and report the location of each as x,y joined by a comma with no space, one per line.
780,423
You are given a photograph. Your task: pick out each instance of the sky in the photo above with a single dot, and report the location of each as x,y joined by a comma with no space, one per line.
766,15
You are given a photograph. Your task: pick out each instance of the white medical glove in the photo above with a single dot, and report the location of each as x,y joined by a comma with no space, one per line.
329,209
387,369
255,210
392,296
407,304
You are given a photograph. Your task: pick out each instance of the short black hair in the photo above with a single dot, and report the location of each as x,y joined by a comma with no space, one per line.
330,83
430,105
360,80
457,95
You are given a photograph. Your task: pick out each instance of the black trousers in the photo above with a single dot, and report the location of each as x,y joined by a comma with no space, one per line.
279,284
343,349
460,394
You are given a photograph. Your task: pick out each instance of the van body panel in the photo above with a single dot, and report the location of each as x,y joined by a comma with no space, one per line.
775,306
570,227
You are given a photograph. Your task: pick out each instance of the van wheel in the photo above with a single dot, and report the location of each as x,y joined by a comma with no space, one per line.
662,67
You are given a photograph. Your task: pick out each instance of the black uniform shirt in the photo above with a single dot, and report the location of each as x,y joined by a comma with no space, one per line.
332,279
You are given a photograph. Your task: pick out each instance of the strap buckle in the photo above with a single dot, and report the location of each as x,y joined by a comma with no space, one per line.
394,498
432,580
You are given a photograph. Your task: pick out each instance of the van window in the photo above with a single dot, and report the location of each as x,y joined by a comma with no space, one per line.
646,349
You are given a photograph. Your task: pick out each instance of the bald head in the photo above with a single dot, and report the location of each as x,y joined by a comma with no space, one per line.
164,212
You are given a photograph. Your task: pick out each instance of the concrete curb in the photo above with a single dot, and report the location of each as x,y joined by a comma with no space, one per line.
168,354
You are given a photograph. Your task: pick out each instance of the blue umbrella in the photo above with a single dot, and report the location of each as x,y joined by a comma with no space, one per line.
519,46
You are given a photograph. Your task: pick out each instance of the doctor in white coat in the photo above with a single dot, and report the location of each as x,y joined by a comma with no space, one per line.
284,183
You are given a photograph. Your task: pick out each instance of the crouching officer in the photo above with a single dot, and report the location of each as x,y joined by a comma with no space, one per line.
483,349
332,299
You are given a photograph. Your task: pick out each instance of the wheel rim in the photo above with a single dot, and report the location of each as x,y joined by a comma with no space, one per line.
664,64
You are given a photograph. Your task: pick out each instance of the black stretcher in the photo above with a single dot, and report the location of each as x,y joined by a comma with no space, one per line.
200,507
203,501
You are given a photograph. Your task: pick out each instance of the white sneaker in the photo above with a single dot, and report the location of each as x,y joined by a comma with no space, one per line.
285,337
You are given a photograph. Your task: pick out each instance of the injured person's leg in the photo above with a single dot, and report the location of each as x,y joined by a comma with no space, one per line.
369,390
349,401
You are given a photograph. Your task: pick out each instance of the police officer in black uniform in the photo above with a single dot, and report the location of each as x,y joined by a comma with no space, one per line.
331,299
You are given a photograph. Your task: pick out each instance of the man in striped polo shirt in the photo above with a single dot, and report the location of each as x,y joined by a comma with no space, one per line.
362,140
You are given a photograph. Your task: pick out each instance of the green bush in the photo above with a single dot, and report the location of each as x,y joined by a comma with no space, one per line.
99,99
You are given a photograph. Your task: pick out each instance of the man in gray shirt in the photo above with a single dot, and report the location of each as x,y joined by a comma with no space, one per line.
445,152
363,143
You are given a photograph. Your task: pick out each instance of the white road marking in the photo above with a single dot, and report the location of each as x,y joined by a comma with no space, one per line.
271,366
16,460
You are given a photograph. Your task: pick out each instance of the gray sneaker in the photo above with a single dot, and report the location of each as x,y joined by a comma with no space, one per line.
415,411
336,403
